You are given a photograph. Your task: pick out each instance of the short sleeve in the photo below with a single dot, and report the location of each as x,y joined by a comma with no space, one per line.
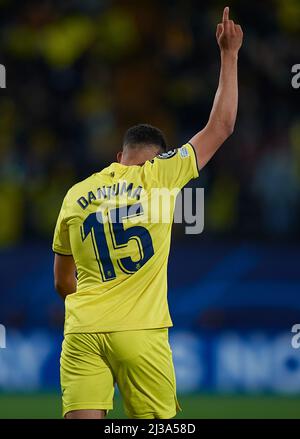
175,168
61,240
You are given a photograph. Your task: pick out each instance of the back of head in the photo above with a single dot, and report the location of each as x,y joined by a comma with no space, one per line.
143,136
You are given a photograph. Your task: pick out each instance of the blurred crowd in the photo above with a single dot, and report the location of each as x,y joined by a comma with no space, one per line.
79,73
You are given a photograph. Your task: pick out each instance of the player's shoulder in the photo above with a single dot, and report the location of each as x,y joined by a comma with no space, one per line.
77,187
82,186
167,155
180,152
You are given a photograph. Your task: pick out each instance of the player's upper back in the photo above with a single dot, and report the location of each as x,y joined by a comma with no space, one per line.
112,222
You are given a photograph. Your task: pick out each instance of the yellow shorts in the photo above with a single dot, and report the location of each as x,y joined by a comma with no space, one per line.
140,362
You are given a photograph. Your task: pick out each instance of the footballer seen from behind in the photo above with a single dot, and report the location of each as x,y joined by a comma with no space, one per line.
111,260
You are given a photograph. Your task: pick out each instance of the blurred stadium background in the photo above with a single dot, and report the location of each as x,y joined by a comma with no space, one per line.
78,74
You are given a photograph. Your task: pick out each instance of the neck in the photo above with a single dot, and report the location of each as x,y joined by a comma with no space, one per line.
132,161
135,156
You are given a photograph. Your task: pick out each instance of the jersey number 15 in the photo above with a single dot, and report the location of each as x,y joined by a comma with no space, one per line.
94,226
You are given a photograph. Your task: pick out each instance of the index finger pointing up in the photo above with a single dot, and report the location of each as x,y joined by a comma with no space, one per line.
225,14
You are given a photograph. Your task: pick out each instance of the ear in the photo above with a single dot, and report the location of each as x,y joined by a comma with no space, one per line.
119,156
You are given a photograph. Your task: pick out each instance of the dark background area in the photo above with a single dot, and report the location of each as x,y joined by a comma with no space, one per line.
80,73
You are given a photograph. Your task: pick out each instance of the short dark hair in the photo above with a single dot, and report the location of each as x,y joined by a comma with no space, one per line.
144,134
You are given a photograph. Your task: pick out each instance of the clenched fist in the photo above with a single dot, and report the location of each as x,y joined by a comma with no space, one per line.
229,35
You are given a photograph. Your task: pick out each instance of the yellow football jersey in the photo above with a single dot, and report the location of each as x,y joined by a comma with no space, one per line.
117,225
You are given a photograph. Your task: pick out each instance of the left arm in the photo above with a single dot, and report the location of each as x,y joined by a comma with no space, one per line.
65,281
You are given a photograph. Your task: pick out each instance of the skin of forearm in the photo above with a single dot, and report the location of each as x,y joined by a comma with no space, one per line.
225,104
